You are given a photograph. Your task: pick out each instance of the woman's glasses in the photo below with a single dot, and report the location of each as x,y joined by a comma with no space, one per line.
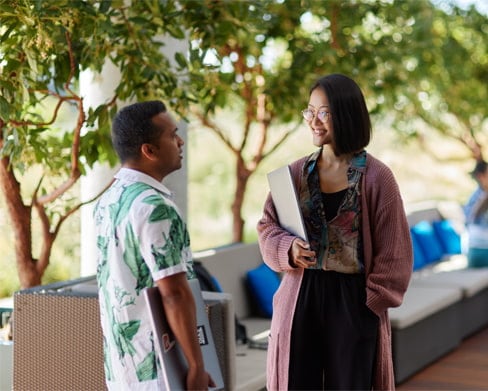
309,115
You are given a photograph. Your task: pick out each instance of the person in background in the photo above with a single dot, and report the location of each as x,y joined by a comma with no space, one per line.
330,328
142,242
476,213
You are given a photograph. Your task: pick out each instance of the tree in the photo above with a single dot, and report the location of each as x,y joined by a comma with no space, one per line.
44,46
265,56
257,58
236,38
449,89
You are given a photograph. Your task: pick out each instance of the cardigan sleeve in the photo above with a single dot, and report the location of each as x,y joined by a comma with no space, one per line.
386,237
274,241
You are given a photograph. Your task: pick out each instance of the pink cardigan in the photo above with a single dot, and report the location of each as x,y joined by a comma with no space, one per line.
388,263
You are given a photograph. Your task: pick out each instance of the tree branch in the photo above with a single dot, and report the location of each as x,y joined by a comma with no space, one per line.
47,237
263,122
281,141
75,148
215,129
61,99
72,64
334,28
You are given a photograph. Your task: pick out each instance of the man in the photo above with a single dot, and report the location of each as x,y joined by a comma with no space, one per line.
476,212
143,241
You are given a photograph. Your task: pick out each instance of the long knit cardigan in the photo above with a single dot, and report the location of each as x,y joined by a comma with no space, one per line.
388,266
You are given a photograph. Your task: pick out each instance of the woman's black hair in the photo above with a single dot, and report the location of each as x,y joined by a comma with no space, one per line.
349,114
133,126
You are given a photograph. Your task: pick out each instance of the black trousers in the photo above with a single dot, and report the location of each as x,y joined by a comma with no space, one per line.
334,334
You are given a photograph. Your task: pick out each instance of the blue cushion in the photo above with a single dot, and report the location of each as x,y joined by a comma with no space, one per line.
263,283
450,240
477,257
418,254
428,241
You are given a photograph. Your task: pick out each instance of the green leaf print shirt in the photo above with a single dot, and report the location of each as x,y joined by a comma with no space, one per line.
140,238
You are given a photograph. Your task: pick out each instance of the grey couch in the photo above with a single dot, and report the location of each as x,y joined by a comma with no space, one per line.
445,303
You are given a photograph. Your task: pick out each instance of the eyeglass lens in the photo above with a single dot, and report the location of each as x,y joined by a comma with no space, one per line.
309,115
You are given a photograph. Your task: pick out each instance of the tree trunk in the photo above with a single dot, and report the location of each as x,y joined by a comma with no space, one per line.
474,146
242,178
20,217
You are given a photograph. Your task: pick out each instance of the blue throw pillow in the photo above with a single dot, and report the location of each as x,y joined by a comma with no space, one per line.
263,283
418,254
428,241
449,238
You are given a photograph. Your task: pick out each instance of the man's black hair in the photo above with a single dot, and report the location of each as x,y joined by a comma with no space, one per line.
479,168
133,126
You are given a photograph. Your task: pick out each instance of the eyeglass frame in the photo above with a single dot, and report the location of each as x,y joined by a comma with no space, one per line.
326,114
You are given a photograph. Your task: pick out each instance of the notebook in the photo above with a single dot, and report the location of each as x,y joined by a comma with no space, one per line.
173,362
286,203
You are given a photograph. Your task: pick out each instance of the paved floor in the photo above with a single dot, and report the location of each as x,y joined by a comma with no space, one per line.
250,369
251,362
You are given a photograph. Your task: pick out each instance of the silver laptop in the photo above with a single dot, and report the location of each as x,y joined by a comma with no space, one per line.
285,199
173,362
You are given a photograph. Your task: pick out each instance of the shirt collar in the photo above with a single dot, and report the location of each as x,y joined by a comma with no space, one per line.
358,161
131,175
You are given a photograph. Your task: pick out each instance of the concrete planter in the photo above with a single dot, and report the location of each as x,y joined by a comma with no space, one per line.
6,365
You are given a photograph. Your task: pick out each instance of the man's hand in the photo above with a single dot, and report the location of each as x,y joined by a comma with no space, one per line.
197,379
180,310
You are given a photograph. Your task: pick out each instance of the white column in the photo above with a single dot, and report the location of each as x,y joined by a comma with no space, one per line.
177,182
96,89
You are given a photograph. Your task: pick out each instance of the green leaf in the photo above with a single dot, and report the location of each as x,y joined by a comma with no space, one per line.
180,59
133,259
147,369
4,109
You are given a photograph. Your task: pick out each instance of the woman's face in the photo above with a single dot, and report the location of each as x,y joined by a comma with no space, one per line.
322,129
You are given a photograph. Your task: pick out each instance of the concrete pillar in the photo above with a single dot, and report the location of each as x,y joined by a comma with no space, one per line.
96,89
177,182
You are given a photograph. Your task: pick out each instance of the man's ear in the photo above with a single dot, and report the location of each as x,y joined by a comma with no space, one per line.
147,151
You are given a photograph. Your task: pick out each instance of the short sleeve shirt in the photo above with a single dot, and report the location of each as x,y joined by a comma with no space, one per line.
141,238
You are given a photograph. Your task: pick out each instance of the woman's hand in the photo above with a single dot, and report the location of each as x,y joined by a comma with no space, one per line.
301,255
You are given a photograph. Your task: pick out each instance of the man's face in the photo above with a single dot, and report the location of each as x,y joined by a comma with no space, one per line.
483,180
168,150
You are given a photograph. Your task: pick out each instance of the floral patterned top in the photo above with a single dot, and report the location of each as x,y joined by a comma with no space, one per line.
337,243
141,238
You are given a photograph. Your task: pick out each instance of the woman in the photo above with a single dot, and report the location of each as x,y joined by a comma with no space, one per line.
330,328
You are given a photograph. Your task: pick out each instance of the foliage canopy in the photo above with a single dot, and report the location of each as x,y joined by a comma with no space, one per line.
414,61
